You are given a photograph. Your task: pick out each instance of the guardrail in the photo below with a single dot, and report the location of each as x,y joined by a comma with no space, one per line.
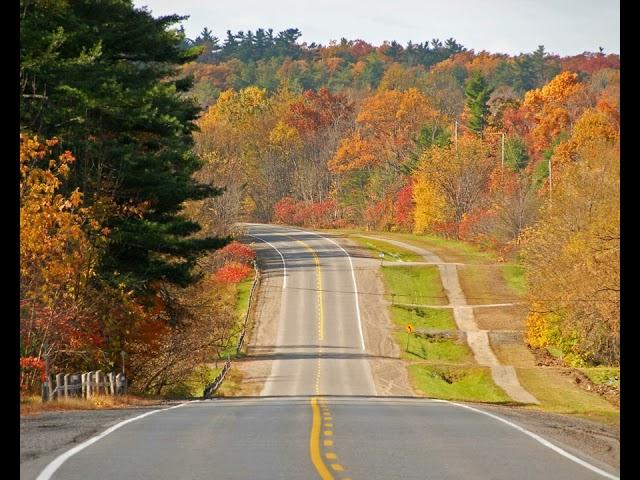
213,386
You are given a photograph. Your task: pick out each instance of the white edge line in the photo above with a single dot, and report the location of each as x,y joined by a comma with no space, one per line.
538,438
355,285
284,265
50,469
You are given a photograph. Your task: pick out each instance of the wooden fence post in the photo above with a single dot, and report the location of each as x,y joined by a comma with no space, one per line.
89,384
99,377
59,385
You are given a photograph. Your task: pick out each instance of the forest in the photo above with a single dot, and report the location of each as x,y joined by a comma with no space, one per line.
141,148
517,154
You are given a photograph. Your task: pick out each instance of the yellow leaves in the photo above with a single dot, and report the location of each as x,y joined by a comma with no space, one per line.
395,110
594,126
429,204
572,253
539,327
399,77
282,135
55,252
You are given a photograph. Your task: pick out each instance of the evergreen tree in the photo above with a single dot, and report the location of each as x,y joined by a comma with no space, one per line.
101,77
477,93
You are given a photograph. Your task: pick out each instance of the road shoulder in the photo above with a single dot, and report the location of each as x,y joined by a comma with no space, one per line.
45,436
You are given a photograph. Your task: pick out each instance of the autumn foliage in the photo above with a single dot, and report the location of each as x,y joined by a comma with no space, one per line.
233,272
118,212
308,214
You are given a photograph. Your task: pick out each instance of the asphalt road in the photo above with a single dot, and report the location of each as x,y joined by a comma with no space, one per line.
318,415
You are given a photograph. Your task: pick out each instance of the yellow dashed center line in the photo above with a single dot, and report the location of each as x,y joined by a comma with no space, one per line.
314,443
324,420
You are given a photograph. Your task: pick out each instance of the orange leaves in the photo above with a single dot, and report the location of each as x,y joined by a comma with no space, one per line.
31,367
395,112
387,122
552,107
354,153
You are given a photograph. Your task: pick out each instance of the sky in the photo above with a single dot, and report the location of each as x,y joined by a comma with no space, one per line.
564,27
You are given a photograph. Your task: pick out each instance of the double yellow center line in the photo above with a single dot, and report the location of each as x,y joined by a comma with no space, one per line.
322,422
316,260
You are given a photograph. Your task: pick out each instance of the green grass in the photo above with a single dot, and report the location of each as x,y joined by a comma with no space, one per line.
514,276
555,352
242,297
558,393
448,249
242,303
457,383
443,350
421,317
195,383
603,375
391,252
418,285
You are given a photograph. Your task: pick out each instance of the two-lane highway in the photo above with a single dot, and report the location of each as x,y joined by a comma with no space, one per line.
318,415
320,348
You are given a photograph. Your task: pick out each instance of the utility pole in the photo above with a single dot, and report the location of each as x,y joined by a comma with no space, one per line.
550,183
46,386
502,164
456,135
123,354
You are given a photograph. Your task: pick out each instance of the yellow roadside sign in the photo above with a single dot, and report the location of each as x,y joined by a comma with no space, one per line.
409,328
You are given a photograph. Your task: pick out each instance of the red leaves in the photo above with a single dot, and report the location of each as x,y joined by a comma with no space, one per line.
284,210
590,62
30,366
310,214
403,207
233,272
238,252
317,111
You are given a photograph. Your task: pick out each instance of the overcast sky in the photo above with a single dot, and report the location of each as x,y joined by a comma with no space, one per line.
564,27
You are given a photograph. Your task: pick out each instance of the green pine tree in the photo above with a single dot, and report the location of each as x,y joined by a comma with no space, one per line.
101,77
477,93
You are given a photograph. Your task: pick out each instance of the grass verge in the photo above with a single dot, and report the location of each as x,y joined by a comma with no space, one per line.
449,250
423,317
243,289
514,276
603,375
33,404
558,393
391,252
232,384
439,378
472,384
418,285
443,350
